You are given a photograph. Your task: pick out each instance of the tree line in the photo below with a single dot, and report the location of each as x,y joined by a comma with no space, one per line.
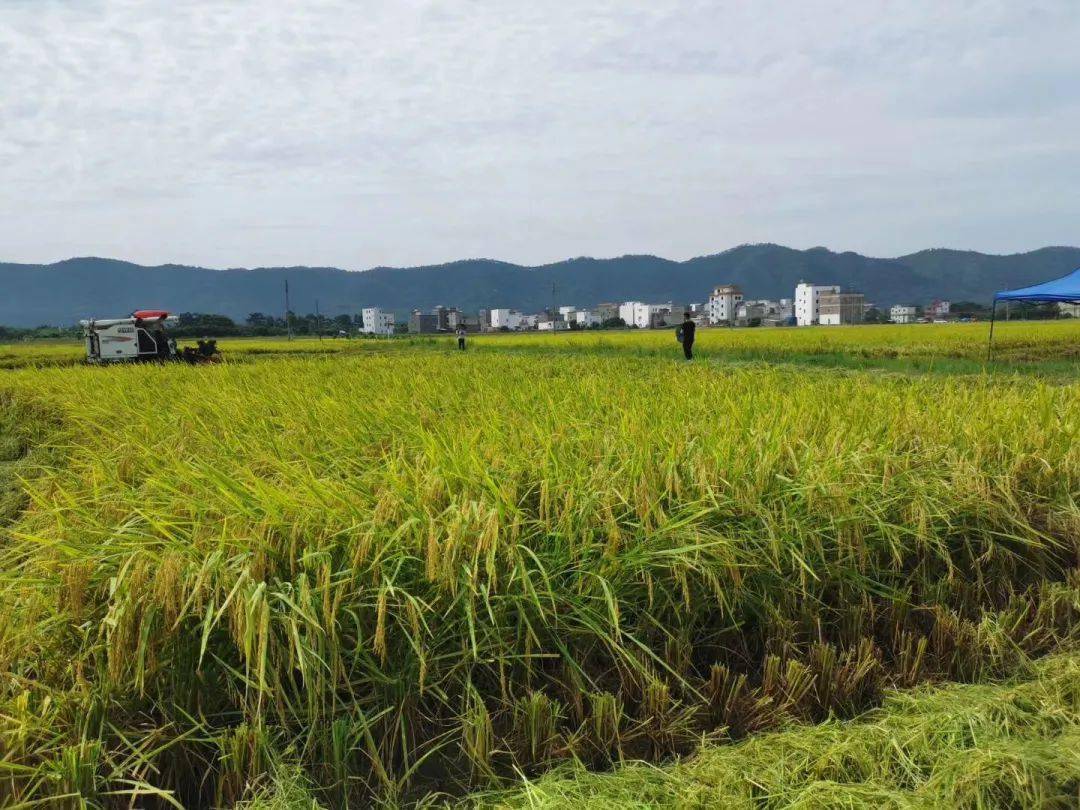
260,324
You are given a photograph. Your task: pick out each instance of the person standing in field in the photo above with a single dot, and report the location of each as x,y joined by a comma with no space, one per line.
685,334
461,338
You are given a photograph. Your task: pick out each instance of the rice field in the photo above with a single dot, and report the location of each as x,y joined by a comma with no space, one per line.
404,574
1014,341
45,353
1017,342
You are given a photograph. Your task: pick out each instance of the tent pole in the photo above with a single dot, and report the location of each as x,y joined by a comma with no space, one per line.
990,343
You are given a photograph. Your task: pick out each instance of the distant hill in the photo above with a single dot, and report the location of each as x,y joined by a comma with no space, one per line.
76,288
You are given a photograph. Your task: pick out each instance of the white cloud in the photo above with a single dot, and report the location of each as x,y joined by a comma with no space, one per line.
247,133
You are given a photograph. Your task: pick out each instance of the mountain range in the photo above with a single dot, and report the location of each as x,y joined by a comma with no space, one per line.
63,292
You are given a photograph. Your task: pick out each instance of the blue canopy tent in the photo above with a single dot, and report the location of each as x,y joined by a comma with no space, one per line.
1064,290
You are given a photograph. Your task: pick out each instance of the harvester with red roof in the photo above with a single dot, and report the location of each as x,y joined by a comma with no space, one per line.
142,337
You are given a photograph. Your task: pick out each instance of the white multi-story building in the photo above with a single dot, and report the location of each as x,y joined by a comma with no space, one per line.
723,301
528,321
566,313
901,313
505,318
654,316
635,313
645,316
552,326
807,301
585,318
376,322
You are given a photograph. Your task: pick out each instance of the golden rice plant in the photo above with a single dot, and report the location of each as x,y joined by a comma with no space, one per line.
413,571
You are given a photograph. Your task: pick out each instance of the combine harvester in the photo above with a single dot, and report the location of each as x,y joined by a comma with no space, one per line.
139,339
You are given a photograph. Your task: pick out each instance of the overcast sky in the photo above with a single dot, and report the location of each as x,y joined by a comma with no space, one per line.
358,134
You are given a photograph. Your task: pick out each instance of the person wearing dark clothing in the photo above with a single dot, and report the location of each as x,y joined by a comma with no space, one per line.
161,341
685,334
461,338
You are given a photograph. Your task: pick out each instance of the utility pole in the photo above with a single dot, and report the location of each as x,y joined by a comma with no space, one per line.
288,320
554,308
318,319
